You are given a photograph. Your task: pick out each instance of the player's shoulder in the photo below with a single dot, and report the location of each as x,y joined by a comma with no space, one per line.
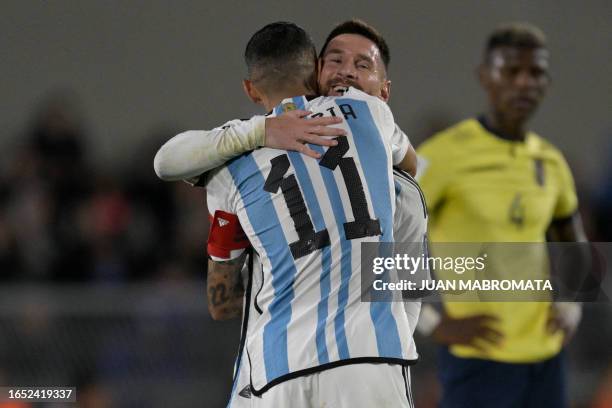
351,93
544,146
452,139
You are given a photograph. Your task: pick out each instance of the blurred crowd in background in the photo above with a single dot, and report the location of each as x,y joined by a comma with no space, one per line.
62,222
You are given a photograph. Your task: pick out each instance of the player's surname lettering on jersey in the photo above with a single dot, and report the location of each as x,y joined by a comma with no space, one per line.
345,108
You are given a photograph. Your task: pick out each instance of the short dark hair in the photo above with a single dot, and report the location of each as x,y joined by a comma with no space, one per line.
360,27
281,54
517,35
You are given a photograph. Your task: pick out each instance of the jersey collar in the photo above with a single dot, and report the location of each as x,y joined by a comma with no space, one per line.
483,122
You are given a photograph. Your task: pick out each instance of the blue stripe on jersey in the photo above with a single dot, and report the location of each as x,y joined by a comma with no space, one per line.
372,154
319,224
257,201
345,261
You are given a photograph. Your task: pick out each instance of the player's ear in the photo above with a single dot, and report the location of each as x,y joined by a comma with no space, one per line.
251,91
385,91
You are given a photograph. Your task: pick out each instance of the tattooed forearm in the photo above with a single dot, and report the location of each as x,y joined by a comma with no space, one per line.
225,290
217,294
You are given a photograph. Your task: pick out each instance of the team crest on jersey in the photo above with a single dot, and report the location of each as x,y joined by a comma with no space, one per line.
539,171
289,106
223,222
517,211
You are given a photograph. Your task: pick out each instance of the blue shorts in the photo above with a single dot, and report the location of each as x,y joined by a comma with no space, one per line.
476,383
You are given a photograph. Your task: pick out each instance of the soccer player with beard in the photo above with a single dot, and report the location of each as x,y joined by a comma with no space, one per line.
354,55
309,340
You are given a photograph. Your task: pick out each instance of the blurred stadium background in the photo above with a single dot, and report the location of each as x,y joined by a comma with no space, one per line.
102,266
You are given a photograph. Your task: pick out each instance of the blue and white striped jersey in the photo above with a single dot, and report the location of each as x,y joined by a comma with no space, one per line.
306,219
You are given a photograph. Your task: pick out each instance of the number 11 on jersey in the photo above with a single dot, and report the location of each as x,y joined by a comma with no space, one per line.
309,240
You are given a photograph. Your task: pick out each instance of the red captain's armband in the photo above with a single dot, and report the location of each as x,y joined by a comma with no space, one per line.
226,235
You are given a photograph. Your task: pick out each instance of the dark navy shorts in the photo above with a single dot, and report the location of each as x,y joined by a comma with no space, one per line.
476,383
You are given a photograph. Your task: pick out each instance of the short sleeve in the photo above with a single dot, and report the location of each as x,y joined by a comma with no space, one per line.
391,132
399,145
226,238
567,200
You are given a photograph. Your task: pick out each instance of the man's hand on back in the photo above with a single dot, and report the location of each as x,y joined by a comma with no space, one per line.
291,131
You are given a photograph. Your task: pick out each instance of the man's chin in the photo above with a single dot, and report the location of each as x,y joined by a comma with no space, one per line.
522,115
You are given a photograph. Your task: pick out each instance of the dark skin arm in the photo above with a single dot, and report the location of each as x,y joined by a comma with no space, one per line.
224,288
475,330
409,162
565,230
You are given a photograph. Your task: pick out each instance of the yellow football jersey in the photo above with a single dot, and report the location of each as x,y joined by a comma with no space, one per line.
483,188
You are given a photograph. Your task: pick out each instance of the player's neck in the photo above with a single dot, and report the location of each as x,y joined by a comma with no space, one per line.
274,99
504,127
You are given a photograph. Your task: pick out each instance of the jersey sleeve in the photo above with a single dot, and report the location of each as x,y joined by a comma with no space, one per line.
399,145
567,201
190,154
226,238
391,132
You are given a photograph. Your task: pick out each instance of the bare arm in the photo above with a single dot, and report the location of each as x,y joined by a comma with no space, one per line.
476,331
224,288
473,329
566,230
566,316
401,142
409,162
